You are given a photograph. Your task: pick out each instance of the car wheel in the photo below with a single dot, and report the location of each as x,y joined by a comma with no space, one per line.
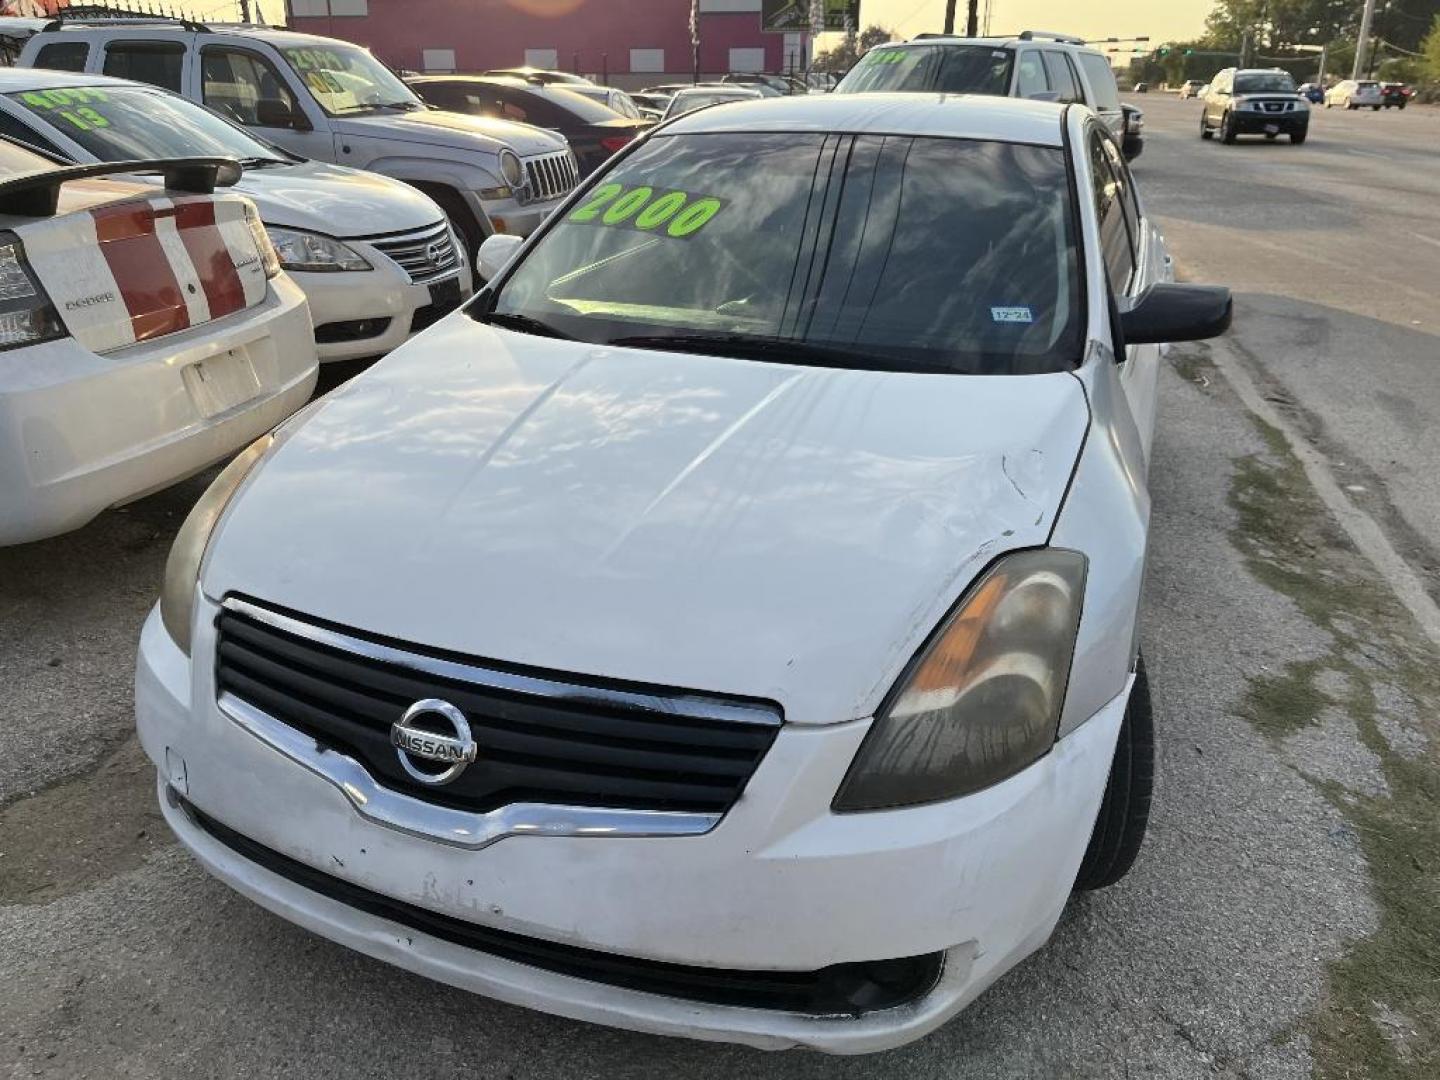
1350,106
449,200
1375,107
1270,136
1205,131
1227,129
1125,808
1329,104
1298,137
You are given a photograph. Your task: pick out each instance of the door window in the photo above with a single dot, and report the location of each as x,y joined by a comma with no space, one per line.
1030,75
1102,80
156,62
246,88
1062,77
63,56
1115,241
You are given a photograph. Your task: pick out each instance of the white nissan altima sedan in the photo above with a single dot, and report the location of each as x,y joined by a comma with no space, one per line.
729,629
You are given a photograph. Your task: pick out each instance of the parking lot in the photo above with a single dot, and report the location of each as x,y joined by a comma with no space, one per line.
1282,919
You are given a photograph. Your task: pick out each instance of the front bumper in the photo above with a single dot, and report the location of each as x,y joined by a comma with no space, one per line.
369,312
781,884
517,218
81,432
1259,123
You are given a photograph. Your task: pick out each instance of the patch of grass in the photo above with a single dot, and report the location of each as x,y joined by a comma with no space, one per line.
1281,705
1193,364
1292,545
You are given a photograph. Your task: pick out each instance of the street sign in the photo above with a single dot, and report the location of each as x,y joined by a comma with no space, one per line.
793,16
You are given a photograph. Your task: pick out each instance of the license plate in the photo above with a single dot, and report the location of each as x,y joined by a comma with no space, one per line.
1272,129
221,382
445,296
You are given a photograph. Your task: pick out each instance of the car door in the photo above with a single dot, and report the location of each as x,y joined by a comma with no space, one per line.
250,88
1217,100
1103,92
1134,260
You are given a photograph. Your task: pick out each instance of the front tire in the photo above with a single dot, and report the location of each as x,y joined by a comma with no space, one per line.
1125,809
1205,132
1227,129
1298,137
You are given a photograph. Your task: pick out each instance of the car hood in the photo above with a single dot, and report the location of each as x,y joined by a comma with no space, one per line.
335,200
452,130
704,523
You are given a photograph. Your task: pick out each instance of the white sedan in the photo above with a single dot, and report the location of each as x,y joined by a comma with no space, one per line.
737,635
1355,94
376,258
143,336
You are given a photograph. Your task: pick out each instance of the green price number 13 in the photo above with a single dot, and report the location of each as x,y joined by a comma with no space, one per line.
638,208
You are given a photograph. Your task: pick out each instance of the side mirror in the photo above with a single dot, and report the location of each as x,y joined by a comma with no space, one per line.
1170,312
497,250
277,113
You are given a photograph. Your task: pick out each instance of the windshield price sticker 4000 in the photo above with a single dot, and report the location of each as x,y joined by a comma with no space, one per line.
75,106
681,213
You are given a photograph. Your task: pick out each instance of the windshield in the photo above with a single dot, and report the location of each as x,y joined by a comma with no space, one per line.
123,123
877,252
948,69
1267,82
346,80
683,103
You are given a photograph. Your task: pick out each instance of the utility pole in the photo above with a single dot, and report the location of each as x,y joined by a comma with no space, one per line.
1324,55
972,21
1362,46
245,11
949,16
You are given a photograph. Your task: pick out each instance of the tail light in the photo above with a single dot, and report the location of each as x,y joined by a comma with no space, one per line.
27,316
615,143
266,250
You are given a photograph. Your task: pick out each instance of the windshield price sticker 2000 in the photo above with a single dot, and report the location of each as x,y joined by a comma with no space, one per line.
76,106
678,214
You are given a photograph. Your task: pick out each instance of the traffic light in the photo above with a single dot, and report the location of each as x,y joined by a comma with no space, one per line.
1189,52
1164,50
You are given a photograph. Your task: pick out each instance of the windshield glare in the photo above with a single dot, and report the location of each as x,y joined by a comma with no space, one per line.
345,79
946,69
1267,83
121,123
880,252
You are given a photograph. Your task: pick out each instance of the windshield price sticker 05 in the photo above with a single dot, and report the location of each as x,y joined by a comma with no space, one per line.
74,106
681,213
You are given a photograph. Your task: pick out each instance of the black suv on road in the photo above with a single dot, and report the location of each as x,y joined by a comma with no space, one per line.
1254,102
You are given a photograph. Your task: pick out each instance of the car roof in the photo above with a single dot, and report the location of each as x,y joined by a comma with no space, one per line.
17,79
279,38
956,116
1007,42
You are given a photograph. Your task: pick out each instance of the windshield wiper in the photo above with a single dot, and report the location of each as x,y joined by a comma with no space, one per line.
262,162
526,324
373,106
750,347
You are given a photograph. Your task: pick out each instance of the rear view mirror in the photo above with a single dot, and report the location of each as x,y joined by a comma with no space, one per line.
495,252
1170,312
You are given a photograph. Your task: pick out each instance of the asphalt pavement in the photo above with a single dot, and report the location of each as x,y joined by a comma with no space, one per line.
1257,935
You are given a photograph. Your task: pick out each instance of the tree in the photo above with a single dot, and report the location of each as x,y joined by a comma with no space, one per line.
843,57
1430,47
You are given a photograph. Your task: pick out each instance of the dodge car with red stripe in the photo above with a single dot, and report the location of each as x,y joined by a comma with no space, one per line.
144,334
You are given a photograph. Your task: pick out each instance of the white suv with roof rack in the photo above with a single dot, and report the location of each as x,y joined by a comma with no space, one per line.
1036,64
332,101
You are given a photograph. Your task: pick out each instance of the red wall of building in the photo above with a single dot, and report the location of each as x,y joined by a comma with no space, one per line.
588,34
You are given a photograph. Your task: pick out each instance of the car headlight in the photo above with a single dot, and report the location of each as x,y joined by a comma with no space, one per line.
982,700
313,253
511,171
182,567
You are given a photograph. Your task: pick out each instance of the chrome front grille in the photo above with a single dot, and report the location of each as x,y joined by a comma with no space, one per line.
426,254
549,177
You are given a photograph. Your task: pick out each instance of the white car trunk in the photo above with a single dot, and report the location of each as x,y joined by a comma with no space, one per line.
121,272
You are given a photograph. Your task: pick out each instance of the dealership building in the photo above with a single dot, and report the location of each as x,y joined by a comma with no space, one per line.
630,43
